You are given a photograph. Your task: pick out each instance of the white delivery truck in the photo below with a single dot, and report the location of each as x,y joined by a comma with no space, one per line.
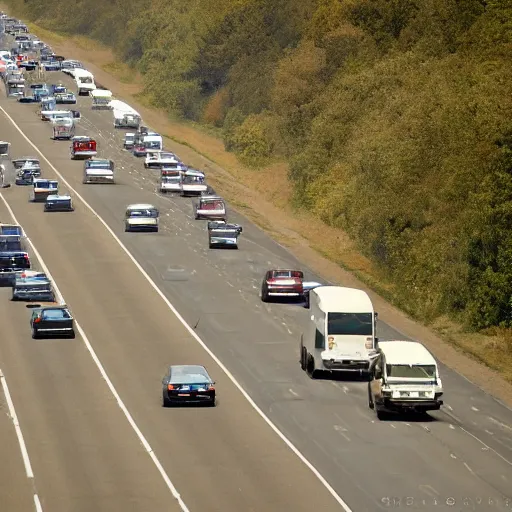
341,331
84,81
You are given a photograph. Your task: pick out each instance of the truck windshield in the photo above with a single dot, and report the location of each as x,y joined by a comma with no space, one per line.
350,324
411,372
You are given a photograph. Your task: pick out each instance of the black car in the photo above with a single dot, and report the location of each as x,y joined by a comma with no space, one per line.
52,321
188,384
12,262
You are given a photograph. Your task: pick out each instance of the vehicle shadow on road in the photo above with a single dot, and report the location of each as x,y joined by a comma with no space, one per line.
339,376
409,418
286,301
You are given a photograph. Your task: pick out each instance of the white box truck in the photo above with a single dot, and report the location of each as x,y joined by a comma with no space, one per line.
341,331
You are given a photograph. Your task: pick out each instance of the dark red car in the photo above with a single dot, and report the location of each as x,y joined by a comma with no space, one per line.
139,150
282,283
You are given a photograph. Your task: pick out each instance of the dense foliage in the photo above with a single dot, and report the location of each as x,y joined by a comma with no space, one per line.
395,115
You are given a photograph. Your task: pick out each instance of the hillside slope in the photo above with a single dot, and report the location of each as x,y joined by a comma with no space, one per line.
394,115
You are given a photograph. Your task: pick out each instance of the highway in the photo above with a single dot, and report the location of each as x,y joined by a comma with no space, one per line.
85,454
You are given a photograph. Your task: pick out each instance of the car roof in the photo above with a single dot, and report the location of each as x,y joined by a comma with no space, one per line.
40,180
406,352
342,299
187,369
141,206
224,226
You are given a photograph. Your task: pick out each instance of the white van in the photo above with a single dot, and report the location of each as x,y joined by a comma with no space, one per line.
84,81
405,378
341,332
153,141
101,99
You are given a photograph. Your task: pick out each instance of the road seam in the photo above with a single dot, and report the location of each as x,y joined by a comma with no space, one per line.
21,439
106,378
191,331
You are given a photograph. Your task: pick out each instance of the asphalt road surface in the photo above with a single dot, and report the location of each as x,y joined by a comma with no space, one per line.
85,454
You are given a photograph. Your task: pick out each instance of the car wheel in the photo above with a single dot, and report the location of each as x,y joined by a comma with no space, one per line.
165,401
210,246
371,403
72,335
303,357
310,366
264,294
35,335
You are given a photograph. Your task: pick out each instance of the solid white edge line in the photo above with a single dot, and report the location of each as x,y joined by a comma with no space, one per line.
231,377
17,428
37,503
104,374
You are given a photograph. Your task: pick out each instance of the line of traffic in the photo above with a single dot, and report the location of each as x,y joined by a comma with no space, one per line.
104,375
191,331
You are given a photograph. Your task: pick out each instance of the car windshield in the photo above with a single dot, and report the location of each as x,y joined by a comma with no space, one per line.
167,155
411,371
98,164
152,144
143,213
189,375
354,324
56,314
227,233
46,184
192,180
212,205
279,274
7,246
170,179
40,286
86,80
11,230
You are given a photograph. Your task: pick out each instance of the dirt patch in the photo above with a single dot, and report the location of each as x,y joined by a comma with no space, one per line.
262,196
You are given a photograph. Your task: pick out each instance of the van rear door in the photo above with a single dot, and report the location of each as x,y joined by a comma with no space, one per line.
349,334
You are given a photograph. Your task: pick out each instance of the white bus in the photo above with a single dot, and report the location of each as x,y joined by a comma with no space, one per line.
341,331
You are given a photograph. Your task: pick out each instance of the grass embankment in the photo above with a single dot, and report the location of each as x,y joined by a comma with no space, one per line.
265,195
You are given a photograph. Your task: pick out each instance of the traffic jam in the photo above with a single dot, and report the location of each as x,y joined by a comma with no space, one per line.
341,335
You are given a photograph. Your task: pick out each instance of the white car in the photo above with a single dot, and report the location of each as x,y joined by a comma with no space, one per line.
156,159
141,217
